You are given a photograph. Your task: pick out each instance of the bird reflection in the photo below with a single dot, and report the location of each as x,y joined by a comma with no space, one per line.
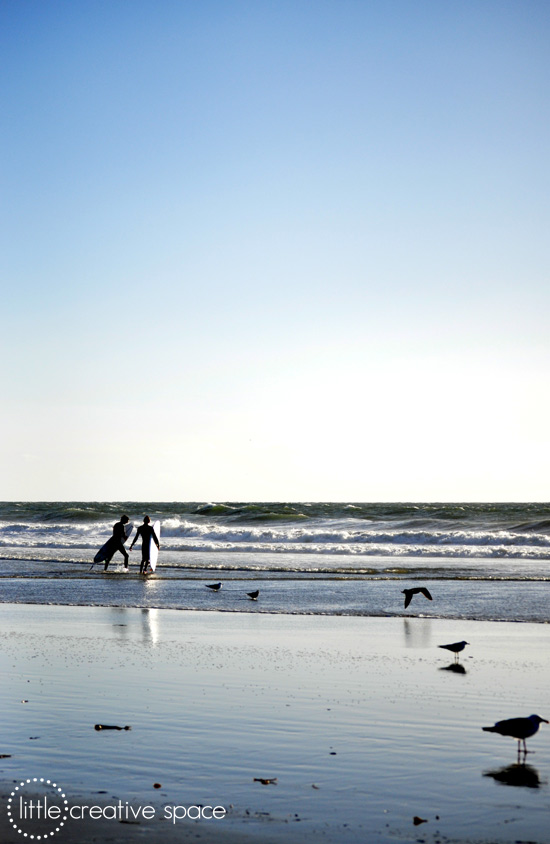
455,667
518,774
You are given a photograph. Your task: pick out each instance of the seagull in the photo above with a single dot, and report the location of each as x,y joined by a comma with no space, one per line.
518,728
408,593
253,595
214,586
456,647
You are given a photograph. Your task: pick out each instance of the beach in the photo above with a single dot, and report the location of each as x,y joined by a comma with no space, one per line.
274,528
358,725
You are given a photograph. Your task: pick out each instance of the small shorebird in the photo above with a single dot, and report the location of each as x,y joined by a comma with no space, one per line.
408,593
214,586
518,728
253,595
456,647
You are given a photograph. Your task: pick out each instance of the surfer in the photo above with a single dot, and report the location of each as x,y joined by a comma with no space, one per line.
146,532
117,540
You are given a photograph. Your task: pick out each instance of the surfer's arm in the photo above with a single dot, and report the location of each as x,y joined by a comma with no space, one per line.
135,539
156,540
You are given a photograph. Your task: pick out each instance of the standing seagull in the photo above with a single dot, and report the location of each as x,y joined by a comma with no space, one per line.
253,595
408,593
214,586
456,647
518,728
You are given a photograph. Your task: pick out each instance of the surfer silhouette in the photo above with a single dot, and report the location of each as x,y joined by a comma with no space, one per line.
117,540
146,532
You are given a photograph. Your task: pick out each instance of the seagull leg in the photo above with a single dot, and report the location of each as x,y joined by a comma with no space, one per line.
522,751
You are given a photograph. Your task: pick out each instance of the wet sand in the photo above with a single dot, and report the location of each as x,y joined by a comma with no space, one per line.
361,722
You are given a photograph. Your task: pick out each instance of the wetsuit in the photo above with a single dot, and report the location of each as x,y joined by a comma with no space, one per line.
116,543
146,532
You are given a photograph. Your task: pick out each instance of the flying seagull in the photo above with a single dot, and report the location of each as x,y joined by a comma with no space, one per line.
253,595
408,593
214,586
518,728
456,647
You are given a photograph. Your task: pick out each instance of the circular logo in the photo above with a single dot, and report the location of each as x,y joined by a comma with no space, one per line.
37,808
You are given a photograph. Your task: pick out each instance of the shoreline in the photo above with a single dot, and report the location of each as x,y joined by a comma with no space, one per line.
316,594
360,720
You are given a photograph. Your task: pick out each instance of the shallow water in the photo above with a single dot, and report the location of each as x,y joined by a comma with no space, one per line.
481,561
280,593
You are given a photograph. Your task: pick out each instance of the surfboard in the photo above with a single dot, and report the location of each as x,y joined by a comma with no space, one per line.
153,550
106,551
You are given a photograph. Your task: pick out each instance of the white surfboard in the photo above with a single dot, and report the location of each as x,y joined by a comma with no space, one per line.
106,551
153,550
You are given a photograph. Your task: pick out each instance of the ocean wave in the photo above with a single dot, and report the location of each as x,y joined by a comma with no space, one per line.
319,549
451,532
174,528
525,517
374,550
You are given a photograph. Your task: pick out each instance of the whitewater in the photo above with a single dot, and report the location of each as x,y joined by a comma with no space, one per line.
482,560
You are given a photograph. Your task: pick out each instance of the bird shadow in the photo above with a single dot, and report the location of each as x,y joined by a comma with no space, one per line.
455,667
519,775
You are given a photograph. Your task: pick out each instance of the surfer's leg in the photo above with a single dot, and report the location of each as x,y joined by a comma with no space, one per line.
124,553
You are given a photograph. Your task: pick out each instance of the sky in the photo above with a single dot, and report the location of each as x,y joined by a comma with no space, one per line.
278,250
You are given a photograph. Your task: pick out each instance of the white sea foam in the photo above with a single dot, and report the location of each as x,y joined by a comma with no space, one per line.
499,540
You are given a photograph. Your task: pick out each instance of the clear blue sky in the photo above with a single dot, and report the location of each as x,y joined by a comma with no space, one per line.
275,250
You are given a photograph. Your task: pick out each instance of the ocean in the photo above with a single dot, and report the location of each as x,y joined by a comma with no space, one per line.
479,561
